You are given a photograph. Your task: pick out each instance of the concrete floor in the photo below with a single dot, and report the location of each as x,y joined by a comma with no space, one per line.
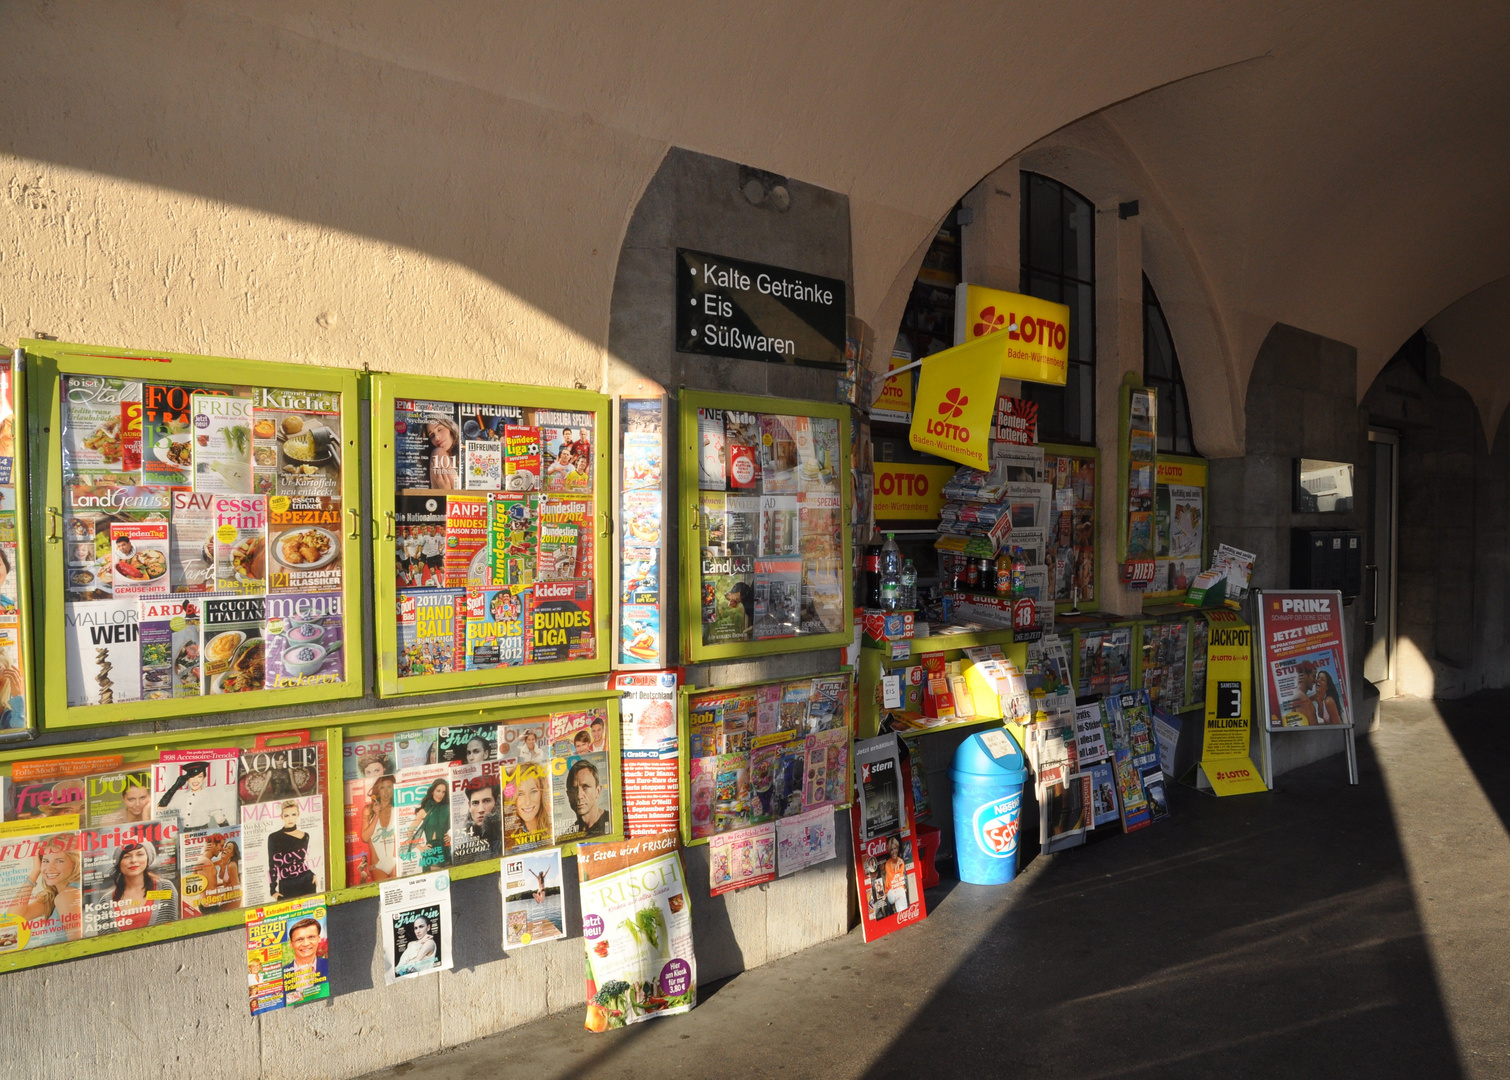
1317,930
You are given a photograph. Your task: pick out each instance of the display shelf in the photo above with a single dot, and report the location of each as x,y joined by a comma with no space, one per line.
875,662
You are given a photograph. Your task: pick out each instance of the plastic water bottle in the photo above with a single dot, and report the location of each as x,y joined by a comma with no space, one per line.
909,586
891,574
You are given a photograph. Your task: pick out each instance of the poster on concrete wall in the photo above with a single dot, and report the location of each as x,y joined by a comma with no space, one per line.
1303,659
415,925
648,747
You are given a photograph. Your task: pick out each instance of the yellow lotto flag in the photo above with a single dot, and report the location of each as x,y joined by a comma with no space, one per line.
1033,335
956,399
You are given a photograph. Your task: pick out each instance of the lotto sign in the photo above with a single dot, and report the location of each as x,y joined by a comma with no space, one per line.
895,400
996,826
1034,334
910,492
955,402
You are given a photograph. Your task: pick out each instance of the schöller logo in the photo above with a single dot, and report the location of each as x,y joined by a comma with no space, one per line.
1307,605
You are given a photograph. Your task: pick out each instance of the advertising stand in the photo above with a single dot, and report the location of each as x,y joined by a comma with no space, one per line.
766,556
1303,668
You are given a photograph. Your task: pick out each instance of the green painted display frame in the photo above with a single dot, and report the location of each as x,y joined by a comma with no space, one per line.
693,649
684,696
1184,621
1085,453
48,361
1186,460
141,749
23,435
385,388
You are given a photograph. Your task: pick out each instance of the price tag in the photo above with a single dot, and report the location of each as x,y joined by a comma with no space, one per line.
901,650
891,692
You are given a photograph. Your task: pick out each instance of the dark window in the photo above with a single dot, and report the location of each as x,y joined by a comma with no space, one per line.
1059,264
928,320
1161,371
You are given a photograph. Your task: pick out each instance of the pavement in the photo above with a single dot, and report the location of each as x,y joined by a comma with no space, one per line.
1316,930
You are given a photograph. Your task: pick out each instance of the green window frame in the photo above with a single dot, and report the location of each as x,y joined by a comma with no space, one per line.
385,389
22,571
48,362
693,649
144,749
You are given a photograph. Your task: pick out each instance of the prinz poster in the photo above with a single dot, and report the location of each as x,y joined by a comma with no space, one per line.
1303,660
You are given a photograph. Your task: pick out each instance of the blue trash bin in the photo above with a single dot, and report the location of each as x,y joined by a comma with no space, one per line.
988,775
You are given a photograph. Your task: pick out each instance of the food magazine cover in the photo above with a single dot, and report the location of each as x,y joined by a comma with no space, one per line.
304,639
416,926
476,812
533,911
233,657
103,651
287,954
296,442
168,432
304,540
96,410
222,444
139,554
284,849
168,639
191,545
130,875
40,896
88,551
638,938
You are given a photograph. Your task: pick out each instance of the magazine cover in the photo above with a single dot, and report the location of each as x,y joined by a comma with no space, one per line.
728,598
1303,659
418,747
296,442
199,787
878,762
561,622
139,557
482,465
103,657
485,422
533,910
641,517
469,744
1104,806
476,812
232,652
130,875
41,900
525,756
273,774
818,459
637,937
642,460
168,432
88,553
420,539
304,540
371,825
426,444
641,575
513,536
416,926
494,629
805,840
168,639
742,442
222,444
521,458
210,869
581,799
737,860
639,632
711,458
826,773
778,598
304,639
886,870
466,559
422,797
51,788
284,849
191,546
287,954
431,631
566,448
367,757
94,412
118,798
778,454
565,539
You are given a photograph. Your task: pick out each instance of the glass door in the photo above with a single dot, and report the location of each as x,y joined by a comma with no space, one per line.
1379,571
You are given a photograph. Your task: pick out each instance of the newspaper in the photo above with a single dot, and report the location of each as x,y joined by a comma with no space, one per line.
415,926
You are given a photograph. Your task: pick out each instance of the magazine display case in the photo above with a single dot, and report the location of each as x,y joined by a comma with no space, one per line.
199,535
875,664
755,753
1172,662
1072,545
17,701
493,561
1181,502
1104,658
766,555
222,819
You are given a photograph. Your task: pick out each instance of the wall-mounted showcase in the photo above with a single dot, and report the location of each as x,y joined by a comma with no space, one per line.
17,704
1071,545
759,752
143,838
1180,506
766,561
491,560
198,541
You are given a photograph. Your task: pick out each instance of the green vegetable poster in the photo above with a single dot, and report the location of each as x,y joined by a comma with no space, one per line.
637,928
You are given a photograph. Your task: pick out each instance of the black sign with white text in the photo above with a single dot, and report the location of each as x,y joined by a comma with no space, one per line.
728,307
